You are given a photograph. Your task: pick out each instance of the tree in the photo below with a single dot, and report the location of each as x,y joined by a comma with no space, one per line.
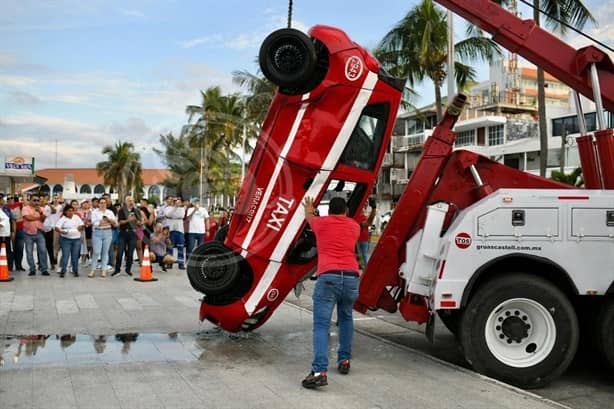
416,49
260,94
574,178
183,163
201,132
215,128
122,168
574,13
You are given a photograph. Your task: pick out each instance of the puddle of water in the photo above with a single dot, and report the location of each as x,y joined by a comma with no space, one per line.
69,350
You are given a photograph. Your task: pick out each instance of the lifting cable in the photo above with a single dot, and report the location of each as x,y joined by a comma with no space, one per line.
289,13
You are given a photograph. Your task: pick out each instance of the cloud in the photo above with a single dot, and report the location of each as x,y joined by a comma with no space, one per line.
16,81
133,13
23,98
134,127
604,32
78,144
211,39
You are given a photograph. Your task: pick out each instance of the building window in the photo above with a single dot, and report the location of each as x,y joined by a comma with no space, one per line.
495,135
99,189
154,191
85,189
464,138
57,189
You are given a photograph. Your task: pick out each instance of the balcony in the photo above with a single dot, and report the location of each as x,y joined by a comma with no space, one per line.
393,160
408,143
399,175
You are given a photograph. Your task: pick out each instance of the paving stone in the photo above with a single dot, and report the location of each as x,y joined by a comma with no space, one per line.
66,307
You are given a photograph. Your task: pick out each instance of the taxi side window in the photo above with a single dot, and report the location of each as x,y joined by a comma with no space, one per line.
364,145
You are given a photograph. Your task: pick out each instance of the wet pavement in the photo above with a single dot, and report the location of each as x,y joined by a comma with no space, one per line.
116,343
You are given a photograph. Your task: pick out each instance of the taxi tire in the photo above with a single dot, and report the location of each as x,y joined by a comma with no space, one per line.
288,58
214,269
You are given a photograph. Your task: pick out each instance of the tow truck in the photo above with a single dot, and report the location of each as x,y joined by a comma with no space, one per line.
517,266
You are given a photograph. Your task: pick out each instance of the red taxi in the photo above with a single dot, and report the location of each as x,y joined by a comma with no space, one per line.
325,134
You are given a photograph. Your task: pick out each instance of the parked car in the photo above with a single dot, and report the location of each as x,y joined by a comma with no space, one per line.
327,129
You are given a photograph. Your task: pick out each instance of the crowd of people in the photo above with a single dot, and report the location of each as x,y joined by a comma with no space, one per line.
65,236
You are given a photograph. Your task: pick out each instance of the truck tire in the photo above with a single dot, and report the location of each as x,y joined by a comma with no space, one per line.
288,58
451,319
520,329
605,331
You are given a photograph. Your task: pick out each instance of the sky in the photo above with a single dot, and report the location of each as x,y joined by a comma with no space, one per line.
76,75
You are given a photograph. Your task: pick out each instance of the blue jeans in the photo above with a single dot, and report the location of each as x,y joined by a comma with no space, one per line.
114,243
194,240
330,290
70,248
101,242
177,240
18,245
41,251
364,251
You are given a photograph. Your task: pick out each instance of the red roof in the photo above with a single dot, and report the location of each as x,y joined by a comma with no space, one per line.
90,175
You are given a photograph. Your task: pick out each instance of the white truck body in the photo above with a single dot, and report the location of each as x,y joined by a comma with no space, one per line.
571,229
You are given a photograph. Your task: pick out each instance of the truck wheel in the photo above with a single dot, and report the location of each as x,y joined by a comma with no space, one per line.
605,332
288,58
520,329
213,268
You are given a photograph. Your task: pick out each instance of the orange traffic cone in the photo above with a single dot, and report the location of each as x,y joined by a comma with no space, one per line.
4,266
146,268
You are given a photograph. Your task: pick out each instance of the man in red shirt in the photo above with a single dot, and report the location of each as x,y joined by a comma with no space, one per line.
34,216
337,284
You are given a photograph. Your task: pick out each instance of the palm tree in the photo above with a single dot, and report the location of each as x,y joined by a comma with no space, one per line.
260,94
575,178
416,49
574,13
215,127
201,132
183,163
122,168
231,120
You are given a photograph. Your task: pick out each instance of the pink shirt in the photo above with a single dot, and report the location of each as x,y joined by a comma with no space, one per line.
31,227
336,238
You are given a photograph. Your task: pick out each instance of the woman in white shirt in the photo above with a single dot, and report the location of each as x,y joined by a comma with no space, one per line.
70,227
103,221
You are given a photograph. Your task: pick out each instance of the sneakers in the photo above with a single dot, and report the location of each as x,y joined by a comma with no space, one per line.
91,274
314,380
114,273
344,367
129,273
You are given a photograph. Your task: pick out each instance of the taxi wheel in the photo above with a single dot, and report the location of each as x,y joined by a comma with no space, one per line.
214,269
288,58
